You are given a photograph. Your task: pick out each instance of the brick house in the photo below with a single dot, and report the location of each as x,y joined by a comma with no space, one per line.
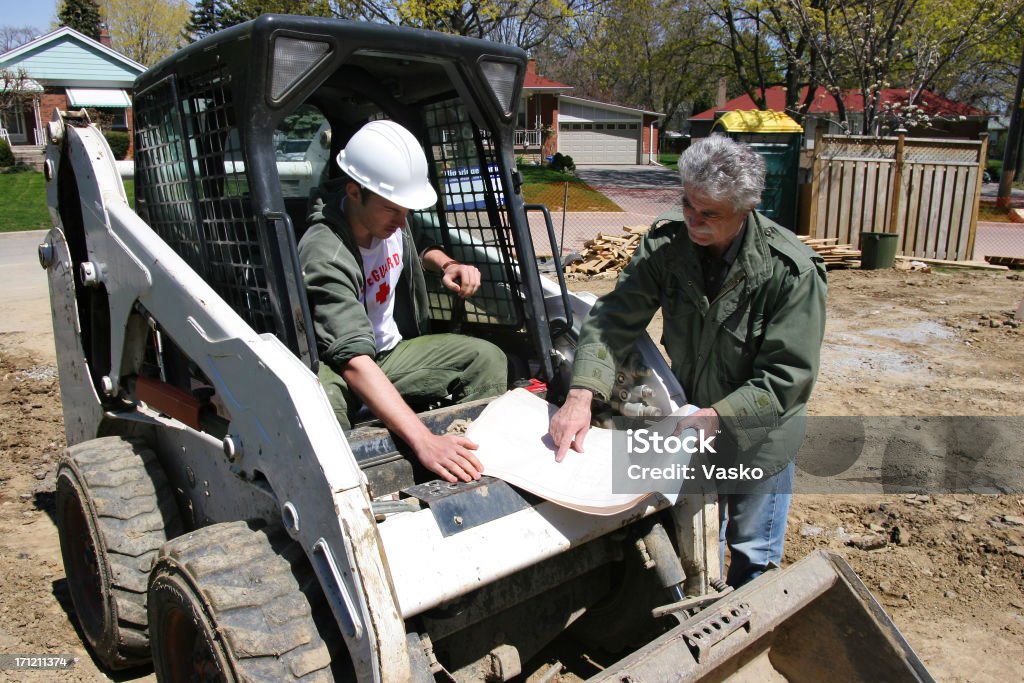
67,70
949,119
591,132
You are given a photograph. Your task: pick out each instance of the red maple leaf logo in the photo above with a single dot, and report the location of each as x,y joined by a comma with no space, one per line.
382,293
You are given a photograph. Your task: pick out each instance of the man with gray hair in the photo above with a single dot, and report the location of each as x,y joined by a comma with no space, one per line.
743,303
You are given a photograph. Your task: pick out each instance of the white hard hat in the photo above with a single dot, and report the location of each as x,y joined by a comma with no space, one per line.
386,159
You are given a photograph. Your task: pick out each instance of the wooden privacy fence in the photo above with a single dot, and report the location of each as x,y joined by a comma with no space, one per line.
935,206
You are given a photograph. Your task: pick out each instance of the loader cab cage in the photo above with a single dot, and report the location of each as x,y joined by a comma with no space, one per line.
235,134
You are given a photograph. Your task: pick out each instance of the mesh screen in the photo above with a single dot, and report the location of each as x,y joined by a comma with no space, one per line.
193,191
849,146
472,204
936,152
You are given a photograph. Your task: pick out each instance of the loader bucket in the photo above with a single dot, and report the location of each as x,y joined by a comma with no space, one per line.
814,621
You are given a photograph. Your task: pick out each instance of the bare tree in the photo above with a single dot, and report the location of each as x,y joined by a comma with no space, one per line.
15,89
13,36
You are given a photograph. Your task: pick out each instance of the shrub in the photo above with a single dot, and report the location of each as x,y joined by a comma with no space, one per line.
17,168
6,155
994,168
562,163
118,141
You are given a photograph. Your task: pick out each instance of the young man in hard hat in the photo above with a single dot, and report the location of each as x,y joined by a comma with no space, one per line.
363,268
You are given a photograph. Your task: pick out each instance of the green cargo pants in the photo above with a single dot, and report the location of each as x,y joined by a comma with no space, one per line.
427,369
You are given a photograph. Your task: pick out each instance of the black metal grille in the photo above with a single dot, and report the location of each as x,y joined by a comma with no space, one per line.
193,190
473,206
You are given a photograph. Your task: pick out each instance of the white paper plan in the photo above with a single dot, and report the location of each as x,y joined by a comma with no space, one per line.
512,435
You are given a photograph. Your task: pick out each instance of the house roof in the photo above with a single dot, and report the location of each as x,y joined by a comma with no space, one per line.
534,81
606,105
65,55
853,100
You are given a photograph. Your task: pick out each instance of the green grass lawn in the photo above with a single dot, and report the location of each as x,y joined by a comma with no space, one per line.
23,197
669,160
544,186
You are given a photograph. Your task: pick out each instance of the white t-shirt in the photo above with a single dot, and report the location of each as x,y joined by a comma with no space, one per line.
382,266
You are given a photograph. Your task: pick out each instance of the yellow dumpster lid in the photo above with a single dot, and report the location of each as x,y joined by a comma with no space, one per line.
757,121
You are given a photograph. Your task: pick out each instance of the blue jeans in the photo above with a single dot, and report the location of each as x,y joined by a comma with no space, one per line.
754,526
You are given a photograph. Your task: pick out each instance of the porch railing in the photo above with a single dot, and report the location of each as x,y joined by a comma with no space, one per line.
527,138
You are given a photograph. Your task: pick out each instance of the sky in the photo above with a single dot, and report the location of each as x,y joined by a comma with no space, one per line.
38,14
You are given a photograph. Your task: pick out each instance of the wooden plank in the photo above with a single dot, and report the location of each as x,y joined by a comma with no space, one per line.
982,156
1011,262
956,245
979,265
943,187
916,177
934,212
883,191
858,181
835,182
812,219
870,221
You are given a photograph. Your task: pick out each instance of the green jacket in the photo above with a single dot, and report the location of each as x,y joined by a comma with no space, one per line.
332,270
752,354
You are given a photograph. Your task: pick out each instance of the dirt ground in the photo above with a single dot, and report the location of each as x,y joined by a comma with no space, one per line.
897,343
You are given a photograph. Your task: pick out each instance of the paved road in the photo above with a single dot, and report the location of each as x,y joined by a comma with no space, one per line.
989,191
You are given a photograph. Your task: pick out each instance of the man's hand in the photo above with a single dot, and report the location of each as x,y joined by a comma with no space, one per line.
569,426
705,418
462,279
450,457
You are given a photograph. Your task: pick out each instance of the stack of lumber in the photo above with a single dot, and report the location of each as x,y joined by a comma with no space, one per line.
836,255
1011,262
607,252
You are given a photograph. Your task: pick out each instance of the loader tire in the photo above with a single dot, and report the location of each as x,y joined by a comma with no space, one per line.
225,605
114,511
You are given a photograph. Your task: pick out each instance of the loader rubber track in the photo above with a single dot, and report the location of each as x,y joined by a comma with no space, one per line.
114,511
225,602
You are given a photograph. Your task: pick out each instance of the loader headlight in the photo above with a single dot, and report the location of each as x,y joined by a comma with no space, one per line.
501,77
292,60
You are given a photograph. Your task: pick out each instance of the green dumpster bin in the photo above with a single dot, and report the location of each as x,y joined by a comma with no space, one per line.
878,249
776,137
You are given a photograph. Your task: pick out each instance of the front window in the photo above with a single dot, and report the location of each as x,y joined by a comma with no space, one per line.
12,121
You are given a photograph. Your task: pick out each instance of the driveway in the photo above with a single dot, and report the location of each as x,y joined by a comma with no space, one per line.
26,318
629,177
642,192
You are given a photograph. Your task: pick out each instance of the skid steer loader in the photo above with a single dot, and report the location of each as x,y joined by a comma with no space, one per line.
215,519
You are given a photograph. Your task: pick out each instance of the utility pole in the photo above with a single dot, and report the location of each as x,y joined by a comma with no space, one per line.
1013,140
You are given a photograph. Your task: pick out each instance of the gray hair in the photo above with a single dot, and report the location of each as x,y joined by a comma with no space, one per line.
723,169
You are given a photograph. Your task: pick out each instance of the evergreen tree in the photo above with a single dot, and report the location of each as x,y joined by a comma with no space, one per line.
81,15
207,17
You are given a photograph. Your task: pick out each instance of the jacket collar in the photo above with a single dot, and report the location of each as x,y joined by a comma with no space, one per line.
755,256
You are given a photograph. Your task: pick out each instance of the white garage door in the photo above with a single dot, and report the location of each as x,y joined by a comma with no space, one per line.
600,143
